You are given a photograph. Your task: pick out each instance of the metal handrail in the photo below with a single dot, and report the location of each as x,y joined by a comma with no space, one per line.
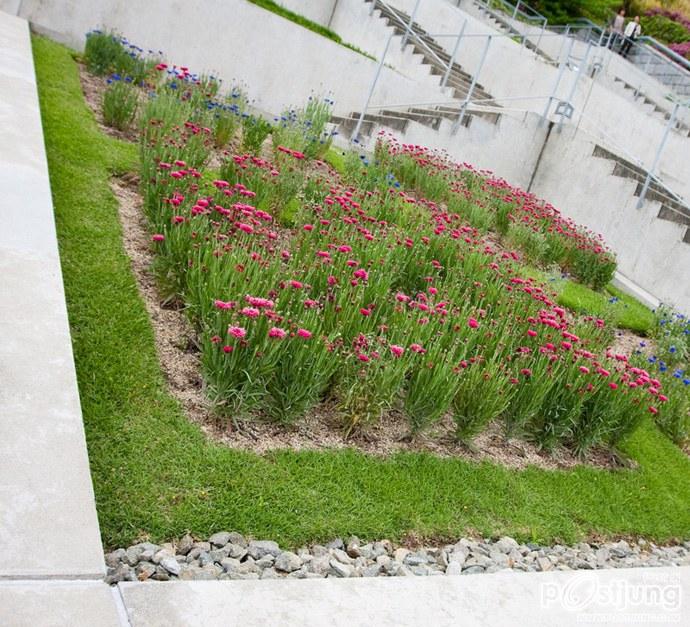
410,33
659,48
595,32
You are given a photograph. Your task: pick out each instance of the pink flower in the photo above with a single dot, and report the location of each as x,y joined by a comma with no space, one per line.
473,324
277,332
296,284
526,372
531,333
308,227
584,369
247,228
397,350
261,303
417,348
662,398
365,312
220,304
250,312
228,349
332,280
158,237
303,333
613,386
653,410
566,345
237,332
362,357
361,274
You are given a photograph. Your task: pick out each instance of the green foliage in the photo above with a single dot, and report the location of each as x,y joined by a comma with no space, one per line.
472,411
255,130
107,52
120,102
102,52
595,269
304,130
664,29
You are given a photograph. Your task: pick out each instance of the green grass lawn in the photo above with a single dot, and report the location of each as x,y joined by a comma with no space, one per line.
155,474
618,309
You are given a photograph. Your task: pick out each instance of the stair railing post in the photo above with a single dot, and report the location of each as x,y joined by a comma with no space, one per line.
561,68
566,32
541,34
355,134
657,156
452,56
580,71
461,117
408,29
516,9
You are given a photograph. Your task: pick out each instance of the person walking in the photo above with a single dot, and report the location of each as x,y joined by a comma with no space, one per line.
632,32
617,28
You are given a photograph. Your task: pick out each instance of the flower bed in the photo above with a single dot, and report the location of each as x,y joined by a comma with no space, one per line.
380,289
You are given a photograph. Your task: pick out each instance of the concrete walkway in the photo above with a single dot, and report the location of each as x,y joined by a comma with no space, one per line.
48,524
658,596
51,561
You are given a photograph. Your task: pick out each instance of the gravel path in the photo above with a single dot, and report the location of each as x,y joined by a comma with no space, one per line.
231,556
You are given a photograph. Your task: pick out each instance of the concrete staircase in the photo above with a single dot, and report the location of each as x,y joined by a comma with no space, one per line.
665,71
650,105
501,22
432,55
671,209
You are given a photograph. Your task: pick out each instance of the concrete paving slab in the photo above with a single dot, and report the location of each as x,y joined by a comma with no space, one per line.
48,523
643,595
57,604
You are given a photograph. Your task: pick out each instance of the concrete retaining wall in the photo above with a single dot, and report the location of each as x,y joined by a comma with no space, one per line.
281,63
319,11
650,251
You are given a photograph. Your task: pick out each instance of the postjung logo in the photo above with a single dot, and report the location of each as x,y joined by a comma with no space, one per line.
586,593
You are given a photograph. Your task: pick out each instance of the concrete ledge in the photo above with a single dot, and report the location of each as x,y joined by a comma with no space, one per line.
57,604
626,285
48,523
642,595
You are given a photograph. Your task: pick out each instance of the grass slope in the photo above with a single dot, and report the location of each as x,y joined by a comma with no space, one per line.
274,7
156,475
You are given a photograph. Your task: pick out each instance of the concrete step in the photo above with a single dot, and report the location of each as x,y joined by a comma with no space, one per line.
671,209
653,107
433,55
497,21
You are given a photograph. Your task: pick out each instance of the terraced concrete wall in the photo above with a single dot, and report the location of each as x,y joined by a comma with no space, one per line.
319,11
281,63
